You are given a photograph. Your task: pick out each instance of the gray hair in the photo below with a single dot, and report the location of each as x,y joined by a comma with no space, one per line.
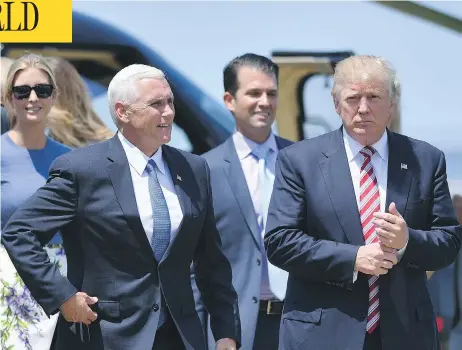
123,88
364,68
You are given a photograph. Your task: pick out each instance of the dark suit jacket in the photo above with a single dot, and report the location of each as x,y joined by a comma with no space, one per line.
240,236
5,121
314,232
89,197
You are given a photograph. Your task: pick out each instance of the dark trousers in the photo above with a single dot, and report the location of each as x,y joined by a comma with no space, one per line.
167,337
373,341
267,332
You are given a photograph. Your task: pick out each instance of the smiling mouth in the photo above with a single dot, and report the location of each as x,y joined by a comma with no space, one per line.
262,114
33,109
163,125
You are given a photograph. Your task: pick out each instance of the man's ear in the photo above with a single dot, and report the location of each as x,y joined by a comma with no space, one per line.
122,112
393,112
336,103
229,100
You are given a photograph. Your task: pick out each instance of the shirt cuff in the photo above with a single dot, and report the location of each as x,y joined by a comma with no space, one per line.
402,250
355,276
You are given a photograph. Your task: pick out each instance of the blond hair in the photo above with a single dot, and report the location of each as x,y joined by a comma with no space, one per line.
5,64
28,60
72,119
368,68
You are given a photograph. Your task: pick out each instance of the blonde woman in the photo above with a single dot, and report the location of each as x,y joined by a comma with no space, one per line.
26,155
72,120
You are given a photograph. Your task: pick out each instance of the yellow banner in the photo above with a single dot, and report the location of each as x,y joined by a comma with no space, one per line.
44,21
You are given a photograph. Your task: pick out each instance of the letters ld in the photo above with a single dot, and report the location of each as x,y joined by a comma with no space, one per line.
8,8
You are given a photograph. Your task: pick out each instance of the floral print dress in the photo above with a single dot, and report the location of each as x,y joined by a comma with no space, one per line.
23,323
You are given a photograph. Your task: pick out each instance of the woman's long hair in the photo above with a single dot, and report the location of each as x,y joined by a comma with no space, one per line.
72,120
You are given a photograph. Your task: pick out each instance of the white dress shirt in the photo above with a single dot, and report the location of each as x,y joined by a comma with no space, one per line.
138,161
249,163
379,162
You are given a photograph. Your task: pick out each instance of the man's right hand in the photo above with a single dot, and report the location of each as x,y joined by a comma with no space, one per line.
375,259
77,308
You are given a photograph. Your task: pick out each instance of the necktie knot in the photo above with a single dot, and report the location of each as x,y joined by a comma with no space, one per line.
150,166
368,151
261,152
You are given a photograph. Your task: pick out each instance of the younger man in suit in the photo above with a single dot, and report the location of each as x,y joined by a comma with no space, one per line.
242,174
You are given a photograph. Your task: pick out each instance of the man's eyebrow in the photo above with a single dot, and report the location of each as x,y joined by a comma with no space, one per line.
159,99
351,93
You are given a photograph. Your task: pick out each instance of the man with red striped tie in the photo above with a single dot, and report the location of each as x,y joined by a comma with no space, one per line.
357,217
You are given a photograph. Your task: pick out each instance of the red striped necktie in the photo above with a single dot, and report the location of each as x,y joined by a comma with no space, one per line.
369,203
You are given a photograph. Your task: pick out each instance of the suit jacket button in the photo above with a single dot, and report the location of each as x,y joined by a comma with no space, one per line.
155,307
258,262
255,300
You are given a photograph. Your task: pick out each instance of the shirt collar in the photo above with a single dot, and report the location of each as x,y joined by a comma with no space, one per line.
245,146
137,159
353,147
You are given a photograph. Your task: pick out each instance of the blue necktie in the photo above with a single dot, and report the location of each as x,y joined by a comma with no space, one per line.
277,278
161,217
161,224
265,182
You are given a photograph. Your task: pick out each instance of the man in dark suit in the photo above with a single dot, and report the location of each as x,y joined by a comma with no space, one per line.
457,201
5,121
357,217
242,180
134,214
5,64
455,329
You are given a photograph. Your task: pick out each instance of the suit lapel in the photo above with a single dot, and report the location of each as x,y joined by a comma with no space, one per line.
180,178
282,143
400,169
181,175
337,177
119,173
235,175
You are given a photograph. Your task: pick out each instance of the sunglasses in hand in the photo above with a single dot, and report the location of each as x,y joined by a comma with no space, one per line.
41,90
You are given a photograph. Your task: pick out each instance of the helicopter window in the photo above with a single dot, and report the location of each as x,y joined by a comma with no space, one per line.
319,111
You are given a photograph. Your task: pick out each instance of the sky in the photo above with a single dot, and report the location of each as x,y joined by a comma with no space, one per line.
199,38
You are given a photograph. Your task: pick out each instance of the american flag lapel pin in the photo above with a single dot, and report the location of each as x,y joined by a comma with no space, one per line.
178,177
403,166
